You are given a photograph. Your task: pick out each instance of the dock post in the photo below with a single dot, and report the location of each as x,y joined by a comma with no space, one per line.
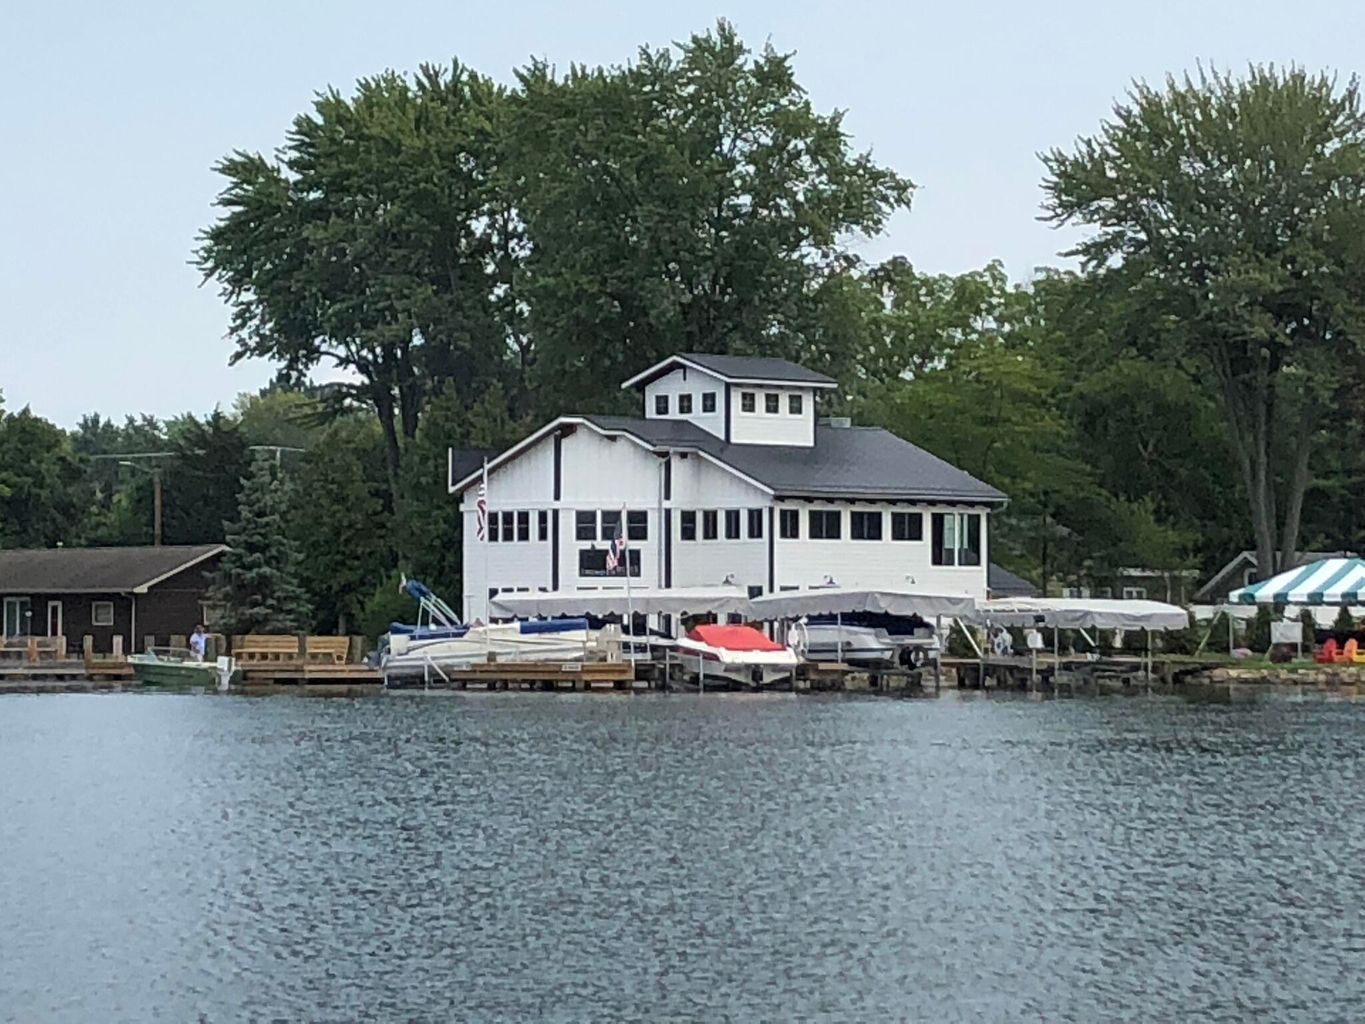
938,662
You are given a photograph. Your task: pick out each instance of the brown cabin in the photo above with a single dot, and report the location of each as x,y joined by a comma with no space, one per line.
131,592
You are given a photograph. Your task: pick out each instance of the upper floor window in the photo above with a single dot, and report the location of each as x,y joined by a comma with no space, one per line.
660,405
732,524
523,526
755,524
865,525
585,526
789,523
907,526
708,401
825,524
684,405
687,526
543,524
748,402
794,404
637,525
493,527
772,403
508,527
956,538
708,525
610,521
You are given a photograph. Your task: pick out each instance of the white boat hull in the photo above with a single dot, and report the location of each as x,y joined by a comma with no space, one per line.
409,656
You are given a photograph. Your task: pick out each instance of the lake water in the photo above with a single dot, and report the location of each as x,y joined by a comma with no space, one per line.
531,857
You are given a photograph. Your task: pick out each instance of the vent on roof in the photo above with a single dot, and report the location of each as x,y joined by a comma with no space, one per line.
837,421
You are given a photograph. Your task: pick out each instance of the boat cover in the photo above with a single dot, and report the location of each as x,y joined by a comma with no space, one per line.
733,638
718,600
1082,613
793,604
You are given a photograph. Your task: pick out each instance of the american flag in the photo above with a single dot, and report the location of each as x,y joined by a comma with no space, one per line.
481,505
616,554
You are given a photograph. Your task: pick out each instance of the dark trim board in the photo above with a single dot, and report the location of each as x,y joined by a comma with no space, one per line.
668,477
668,548
727,413
772,550
559,465
554,535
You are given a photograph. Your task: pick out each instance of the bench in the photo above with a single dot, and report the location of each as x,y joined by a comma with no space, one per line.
269,648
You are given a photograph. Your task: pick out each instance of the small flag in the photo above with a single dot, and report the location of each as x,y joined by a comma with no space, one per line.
481,505
616,554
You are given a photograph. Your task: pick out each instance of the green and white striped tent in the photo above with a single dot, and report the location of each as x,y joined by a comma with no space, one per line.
1331,581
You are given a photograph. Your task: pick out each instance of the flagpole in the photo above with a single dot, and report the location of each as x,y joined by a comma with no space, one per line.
487,607
630,602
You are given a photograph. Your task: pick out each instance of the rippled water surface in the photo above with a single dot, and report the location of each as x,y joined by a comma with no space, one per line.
528,857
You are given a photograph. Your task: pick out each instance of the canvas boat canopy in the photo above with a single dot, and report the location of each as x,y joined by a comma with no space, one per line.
719,600
1331,581
793,604
1082,613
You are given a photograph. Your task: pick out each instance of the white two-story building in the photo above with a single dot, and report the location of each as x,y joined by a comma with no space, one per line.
728,476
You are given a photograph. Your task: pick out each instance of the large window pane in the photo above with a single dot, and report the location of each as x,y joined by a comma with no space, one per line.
585,525
970,532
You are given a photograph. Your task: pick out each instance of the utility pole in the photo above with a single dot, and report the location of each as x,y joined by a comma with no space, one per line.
156,506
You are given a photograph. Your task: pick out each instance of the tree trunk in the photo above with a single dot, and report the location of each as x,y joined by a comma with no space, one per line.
1298,485
383,407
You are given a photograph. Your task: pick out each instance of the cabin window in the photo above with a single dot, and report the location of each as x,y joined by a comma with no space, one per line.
523,526
907,526
825,524
748,402
684,405
732,524
1134,593
794,404
944,532
708,401
687,526
543,525
708,525
789,523
509,529
772,404
610,521
969,530
492,527
755,524
637,525
101,613
865,525
660,405
593,562
585,526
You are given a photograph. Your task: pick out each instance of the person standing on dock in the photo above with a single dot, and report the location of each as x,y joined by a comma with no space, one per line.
198,643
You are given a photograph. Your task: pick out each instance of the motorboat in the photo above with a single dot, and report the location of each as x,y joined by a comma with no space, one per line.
179,667
424,654
740,654
861,644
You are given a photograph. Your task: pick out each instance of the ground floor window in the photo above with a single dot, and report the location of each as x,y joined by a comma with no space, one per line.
687,525
865,525
789,523
825,524
732,524
593,562
907,526
17,613
755,524
956,538
102,613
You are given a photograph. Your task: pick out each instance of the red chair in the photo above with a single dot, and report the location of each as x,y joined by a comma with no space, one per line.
1327,653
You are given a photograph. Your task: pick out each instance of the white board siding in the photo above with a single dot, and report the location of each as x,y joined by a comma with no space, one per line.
889,564
688,381
781,427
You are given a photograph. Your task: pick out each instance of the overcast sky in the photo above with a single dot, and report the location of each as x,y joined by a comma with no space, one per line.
115,113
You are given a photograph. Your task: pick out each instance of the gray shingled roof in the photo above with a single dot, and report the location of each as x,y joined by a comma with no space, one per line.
95,570
846,462
464,461
780,371
1003,583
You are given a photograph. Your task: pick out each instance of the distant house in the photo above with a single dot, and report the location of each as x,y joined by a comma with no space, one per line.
1000,582
1244,569
130,592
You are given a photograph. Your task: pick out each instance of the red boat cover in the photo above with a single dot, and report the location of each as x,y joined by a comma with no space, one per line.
733,638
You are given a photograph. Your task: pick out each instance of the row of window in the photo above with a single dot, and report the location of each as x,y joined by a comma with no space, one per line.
506,527
748,402
594,525
708,404
710,523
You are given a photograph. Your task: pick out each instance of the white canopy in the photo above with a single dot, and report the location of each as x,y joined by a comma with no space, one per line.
792,604
643,600
1082,613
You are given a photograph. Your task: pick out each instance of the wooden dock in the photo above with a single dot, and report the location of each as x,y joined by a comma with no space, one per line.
310,679
527,675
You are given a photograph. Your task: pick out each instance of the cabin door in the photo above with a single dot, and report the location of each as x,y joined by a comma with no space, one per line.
54,618
16,613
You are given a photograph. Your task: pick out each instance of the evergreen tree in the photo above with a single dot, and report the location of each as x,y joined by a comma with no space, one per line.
1258,635
257,583
1344,624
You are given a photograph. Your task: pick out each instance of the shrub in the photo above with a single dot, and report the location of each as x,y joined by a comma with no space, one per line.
1310,629
1343,622
1258,633
1180,641
958,644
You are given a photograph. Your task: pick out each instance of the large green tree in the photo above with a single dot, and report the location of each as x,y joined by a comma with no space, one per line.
257,588
691,200
44,488
370,243
1232,210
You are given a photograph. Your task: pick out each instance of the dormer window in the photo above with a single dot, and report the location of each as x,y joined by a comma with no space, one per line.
660,405
772,403
794,404
684,405
708,401
748,402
